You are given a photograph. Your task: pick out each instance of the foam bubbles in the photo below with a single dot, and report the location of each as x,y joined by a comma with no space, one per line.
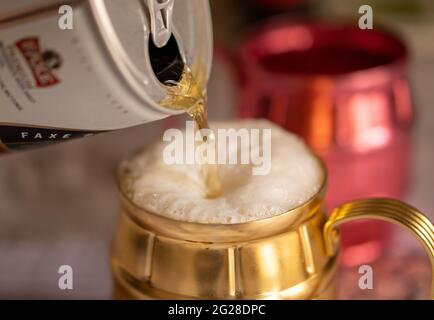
177,191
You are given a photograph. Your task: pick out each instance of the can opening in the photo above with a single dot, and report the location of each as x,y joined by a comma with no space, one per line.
166,62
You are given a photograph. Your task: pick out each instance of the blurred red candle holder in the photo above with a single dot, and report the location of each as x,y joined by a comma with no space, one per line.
346,92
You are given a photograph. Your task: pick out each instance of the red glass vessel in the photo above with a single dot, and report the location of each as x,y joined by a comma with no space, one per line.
346,92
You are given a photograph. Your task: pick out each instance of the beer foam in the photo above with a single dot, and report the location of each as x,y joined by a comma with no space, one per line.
177,191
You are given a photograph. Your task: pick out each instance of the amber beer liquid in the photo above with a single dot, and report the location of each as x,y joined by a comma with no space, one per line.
189,96
105,73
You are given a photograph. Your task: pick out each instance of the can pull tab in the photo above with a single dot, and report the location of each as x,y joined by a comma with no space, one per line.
161,20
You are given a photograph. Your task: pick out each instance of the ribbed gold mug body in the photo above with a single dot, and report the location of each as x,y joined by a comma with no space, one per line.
282,257
288,256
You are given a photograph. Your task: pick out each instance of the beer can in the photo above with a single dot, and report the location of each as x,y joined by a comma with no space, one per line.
75,68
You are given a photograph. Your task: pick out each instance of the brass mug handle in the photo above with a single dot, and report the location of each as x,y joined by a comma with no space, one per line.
383,209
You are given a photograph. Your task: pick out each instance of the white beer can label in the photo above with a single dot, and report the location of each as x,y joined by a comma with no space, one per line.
59,84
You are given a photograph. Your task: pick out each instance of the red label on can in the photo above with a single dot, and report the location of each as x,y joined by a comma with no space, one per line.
37,61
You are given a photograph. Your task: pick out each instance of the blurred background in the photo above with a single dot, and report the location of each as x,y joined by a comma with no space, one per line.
361,99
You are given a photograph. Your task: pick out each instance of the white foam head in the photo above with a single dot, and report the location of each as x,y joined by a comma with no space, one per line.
177,191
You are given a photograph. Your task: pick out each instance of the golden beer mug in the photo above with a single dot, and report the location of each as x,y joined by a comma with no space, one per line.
288,256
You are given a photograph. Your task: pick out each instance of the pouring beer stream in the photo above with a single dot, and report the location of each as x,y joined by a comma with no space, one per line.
187,95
